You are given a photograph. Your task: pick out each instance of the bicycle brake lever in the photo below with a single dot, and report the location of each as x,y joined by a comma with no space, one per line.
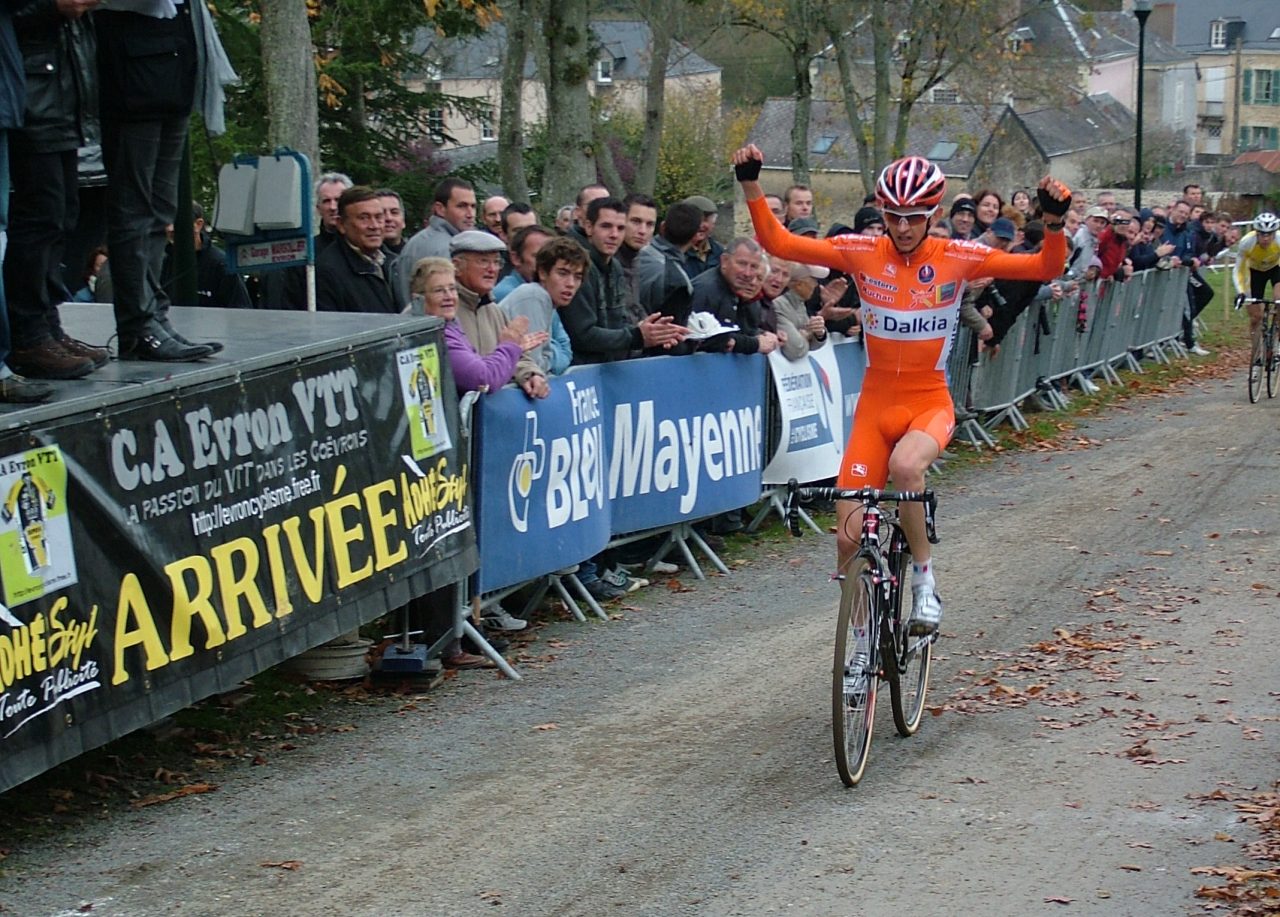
930,528
793,508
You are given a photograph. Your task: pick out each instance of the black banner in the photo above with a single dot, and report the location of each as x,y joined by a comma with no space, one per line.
163,551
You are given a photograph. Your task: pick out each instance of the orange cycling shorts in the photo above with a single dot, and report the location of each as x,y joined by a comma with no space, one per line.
890,406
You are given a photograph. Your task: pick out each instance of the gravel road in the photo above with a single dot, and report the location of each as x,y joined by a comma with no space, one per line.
1107,656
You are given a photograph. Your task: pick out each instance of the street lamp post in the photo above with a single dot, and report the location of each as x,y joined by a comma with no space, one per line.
1141,9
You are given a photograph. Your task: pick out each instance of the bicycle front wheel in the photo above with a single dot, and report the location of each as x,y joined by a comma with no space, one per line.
907,690
853,676
1270,357
1256,368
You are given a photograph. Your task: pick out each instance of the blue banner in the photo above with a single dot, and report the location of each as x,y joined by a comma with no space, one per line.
686,437
541,479
615,448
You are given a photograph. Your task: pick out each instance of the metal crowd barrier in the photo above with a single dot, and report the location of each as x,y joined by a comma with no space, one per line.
1123,321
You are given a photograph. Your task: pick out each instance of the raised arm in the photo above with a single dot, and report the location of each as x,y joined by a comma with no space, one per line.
1050,262
772,234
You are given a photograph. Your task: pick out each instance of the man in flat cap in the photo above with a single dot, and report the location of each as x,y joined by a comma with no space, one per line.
477,261
351,273
704,253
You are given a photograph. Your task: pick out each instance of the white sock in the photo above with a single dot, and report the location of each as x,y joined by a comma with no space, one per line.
922,575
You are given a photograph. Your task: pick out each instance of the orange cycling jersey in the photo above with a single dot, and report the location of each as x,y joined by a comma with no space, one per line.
910,303
910,306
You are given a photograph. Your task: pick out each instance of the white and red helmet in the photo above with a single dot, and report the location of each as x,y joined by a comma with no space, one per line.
912,181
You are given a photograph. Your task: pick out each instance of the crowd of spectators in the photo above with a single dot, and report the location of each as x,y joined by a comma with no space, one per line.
612,278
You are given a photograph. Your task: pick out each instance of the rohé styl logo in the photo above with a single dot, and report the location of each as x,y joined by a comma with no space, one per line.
526,467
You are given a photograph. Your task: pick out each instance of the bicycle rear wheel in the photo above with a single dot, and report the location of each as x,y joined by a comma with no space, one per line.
853,692
1270,357
1256,355
907,690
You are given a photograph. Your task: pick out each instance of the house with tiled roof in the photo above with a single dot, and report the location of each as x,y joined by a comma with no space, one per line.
1054,52
1236,46
976,146
471,68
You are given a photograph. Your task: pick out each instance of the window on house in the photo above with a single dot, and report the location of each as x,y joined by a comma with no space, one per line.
435,124
944,94
823,144
604,70
1217,34
1214,131
942,151
1263,86
904,42
1014,44
1259,138
435,72
487,129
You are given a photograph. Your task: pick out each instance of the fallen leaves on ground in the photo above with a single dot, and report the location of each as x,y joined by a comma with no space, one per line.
1249,890
191,789
290,865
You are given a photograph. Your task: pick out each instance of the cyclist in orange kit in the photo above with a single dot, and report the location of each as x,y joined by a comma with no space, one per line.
910,285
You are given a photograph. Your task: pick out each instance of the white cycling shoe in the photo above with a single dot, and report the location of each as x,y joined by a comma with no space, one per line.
926,612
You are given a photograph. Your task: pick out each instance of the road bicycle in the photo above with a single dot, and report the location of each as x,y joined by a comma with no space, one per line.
1264,358
872,643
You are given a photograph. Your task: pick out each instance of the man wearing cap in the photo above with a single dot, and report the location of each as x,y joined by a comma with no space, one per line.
1086,241
981,298
477,259
868,221
964,216
705,252
804,226
351,274
1113,246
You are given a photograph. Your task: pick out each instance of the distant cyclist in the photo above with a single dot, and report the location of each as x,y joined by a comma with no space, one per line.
910,285
1258,263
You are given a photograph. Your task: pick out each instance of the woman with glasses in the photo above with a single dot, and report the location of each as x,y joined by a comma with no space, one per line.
910,285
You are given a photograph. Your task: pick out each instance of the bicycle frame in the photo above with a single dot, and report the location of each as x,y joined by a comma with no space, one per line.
872,643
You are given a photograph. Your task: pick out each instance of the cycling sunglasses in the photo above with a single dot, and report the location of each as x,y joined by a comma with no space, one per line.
913,217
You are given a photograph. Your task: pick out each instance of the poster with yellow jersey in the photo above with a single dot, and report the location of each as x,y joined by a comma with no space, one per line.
36,554
420,385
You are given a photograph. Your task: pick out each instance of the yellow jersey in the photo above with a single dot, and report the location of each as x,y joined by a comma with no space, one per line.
1253,256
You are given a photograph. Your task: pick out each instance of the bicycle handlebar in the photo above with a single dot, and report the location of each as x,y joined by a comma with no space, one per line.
867,496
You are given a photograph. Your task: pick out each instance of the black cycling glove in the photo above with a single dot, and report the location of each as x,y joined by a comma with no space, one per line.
1051,205
748,171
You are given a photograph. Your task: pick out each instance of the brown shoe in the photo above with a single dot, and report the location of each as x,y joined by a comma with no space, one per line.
465,660
48,360
99,355
17,390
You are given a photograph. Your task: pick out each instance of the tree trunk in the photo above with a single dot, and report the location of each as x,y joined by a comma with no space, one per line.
800,57
661,15
570,63
515,185
853,101
289,72
883,41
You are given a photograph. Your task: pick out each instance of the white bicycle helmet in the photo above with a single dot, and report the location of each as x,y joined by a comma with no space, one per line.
1266,222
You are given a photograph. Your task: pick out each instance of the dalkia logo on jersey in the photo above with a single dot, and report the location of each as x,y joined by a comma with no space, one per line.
907,326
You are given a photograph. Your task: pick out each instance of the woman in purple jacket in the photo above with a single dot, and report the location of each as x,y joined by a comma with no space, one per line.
433,286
